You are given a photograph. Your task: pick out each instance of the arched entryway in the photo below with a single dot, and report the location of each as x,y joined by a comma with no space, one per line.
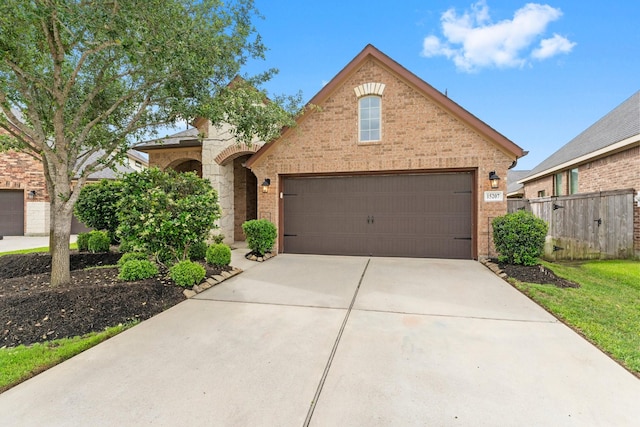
186,165
245,196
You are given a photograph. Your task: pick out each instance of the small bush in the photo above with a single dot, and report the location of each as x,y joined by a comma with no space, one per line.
125,247
217,238
218,255
83,242
131,255
137,269
197,251
519,237
99,241
187,273
261,235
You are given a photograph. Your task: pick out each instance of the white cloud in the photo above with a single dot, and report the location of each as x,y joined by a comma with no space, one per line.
473,41
553,46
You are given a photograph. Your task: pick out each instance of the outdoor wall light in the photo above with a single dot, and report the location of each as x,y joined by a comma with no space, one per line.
32,194
265,185
494,178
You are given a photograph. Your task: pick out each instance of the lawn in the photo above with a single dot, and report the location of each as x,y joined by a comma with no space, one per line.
605,309
23,362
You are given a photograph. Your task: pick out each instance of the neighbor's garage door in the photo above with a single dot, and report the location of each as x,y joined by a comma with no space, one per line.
11,213
427,215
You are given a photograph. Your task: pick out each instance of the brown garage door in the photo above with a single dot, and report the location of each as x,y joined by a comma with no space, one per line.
427,215
11,213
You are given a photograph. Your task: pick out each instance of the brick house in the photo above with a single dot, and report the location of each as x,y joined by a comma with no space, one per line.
604,157
24,197
385,165
213,153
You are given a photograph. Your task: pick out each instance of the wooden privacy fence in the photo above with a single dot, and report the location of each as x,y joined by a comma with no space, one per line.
585,226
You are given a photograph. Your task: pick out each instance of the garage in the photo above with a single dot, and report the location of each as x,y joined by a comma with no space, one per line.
403,215
12,213
386,165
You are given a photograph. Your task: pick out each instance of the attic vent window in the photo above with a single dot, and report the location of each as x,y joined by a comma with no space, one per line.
369,89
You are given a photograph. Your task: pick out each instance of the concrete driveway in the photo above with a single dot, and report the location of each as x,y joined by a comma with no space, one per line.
339,341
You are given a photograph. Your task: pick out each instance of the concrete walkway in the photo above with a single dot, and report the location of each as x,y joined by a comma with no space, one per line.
339,341
15,243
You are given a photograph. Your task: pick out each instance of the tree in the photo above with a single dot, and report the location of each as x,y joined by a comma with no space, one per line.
80,77
164,213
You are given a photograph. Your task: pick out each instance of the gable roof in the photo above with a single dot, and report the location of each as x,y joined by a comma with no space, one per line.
617,129
433,94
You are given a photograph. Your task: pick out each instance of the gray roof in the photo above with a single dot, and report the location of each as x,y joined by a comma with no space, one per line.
108,173
619,124
185,138
513,177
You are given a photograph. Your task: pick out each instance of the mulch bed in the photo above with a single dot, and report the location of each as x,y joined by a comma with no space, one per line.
31,311
536,274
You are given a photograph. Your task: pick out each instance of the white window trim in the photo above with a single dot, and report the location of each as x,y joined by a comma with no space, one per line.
369,89
369,141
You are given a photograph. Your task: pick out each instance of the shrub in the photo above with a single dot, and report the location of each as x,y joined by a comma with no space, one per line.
519,237
218,255
132,255
197,251
217,238
125,247
261,235
99,241
187,273
164,213
137,269
96,205
83,242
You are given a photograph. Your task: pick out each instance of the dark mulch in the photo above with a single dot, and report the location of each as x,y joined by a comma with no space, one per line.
32,311
536,274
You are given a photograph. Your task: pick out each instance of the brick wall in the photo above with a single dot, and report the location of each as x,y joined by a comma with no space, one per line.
615,172
417,134
531,190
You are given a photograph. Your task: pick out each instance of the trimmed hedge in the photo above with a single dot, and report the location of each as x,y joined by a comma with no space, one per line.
99,241
137,269
261,235
519,237
132,255
218,255
187,273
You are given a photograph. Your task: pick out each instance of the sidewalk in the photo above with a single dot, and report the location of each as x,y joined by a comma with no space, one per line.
15,243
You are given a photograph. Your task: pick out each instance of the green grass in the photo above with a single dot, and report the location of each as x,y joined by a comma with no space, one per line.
23,362
605,309
72,246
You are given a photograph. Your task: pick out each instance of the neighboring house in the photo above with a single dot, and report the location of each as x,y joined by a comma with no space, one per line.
604,157
24,197
385,165
515,189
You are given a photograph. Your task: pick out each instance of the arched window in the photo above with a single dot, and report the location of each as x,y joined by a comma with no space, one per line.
369,111
369,118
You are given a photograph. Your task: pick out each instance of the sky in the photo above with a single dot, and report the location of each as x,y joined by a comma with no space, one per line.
539,73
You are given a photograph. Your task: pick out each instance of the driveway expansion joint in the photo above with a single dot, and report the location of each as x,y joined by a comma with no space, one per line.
501,319
314,402
269,303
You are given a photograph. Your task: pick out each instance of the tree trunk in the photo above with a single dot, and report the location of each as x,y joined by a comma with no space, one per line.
61,213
